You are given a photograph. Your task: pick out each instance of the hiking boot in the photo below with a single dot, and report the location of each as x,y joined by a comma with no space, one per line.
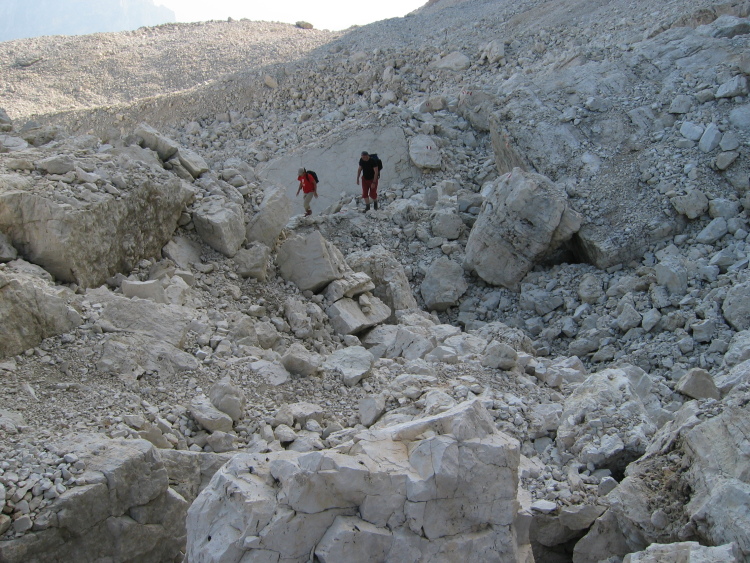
367,208
308,212
376,204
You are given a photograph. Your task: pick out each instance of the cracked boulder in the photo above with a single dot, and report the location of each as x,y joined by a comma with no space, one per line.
420,491
524,218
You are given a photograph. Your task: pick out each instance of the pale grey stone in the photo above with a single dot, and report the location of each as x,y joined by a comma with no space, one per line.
710,138
192,162
693,204
736,306
152,289
272,373
672,274
386,477
628,318
725,208
52,236
351,285
352,363
349,534
252,262
690,551
60,164
391,283
221,224
740,117
726,159
524,217
545,418
704,330
650,319
424,152
183,252
154,140
32,309
7,251
739,349
348,317
208,416
228,398
739,373
681,104
298,360
499,355
590,289
454,61
443,284
447,224
698,384
371,409
691,131
736,86
590,402
267,334
272,216
310,261
221,442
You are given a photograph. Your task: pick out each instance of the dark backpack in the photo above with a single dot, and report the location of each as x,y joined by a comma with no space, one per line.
314,175
378,162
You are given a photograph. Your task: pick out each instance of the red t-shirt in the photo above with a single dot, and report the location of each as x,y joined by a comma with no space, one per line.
308,183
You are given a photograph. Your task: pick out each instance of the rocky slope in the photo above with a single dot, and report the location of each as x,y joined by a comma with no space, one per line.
562,237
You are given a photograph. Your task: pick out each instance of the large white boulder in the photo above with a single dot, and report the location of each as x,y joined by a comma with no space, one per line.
391,283
32,309
609,400
351,363
310,261
524,217
91,241
221,224
424,151
706,497
352,317
443,284
422,490
125,511
685,551
272,216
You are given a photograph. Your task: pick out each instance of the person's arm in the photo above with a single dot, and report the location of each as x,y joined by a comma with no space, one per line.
299,189
359,171
315,186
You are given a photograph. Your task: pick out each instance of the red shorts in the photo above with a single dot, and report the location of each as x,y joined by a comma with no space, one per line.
370,188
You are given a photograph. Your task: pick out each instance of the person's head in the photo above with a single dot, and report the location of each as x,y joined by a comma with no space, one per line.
365,156
301,172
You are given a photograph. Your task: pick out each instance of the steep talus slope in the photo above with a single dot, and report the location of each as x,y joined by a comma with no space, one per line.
52,74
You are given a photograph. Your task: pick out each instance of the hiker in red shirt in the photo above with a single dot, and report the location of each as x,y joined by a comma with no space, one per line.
308,186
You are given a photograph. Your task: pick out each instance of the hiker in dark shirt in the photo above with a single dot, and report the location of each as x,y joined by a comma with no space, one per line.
369,168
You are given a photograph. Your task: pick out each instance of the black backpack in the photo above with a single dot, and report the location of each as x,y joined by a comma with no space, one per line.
314,175
378,162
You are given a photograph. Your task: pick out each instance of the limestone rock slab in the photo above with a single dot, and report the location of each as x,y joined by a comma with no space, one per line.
89,244
272,216
425,496
32,310
310,261
221,224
